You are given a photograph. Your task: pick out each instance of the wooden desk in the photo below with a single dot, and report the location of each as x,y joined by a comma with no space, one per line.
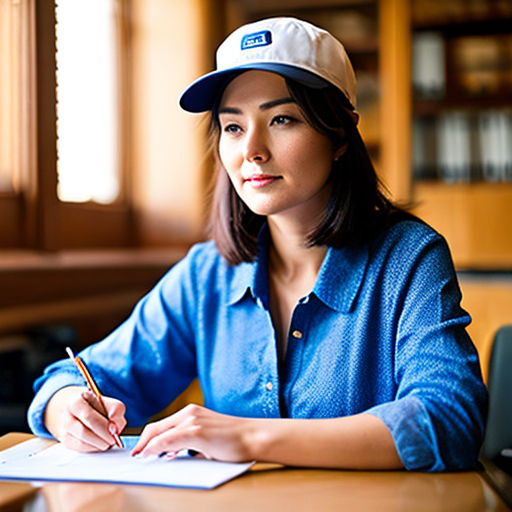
267,489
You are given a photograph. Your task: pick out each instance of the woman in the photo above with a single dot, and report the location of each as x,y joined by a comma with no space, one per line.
323,322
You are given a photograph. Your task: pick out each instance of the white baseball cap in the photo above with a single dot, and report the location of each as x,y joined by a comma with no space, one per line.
290,47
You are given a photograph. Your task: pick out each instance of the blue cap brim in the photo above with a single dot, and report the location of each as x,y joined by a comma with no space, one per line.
202,94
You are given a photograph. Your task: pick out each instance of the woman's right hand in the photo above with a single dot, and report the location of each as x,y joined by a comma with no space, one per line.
73,417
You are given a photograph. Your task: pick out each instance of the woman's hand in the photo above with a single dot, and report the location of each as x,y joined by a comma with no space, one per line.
73,417
361,441
215,435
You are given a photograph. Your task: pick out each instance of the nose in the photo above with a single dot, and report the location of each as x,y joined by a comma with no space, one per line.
256,145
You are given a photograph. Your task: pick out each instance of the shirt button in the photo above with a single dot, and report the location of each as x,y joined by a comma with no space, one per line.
297,334
269,386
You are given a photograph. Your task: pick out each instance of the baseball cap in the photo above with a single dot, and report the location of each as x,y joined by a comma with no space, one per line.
288,46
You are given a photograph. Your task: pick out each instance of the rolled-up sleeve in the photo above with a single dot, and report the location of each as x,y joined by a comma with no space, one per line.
437,419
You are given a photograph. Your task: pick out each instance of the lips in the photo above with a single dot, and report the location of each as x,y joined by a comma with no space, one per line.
261,180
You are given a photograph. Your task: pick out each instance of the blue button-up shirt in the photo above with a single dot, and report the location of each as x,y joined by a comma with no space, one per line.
381,332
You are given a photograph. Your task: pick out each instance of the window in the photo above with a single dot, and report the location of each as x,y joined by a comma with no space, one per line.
17,140
63,92
87,101
7,41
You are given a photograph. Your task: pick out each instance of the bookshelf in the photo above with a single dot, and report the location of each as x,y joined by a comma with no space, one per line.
461,167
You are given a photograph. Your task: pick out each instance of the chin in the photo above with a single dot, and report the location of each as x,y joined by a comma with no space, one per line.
263,210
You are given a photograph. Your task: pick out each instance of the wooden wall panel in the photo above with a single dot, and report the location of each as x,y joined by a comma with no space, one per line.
489,302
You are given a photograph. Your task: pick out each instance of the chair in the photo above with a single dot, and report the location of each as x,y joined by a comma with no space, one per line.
498,434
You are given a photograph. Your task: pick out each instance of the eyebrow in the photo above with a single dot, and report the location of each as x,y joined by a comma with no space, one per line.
264,106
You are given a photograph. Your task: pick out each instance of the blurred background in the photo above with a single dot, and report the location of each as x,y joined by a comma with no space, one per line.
103,179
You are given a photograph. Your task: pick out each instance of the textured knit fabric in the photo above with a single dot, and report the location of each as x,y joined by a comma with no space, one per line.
382,332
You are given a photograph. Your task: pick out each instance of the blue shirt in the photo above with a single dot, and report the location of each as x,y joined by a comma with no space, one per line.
382,332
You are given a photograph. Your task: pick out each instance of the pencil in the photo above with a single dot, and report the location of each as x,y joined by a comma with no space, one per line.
94,388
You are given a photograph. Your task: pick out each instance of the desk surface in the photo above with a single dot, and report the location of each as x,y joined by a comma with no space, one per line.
267,488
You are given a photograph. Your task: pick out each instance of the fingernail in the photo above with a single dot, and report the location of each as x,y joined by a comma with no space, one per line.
112,428
171,455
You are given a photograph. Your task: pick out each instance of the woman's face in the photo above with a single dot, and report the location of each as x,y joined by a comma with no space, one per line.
278,164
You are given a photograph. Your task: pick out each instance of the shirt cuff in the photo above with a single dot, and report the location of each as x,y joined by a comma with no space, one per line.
35,414
413,433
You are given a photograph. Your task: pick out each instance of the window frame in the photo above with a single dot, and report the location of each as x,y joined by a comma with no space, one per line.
34,217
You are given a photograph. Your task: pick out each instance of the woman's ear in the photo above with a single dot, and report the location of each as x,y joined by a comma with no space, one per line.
340,151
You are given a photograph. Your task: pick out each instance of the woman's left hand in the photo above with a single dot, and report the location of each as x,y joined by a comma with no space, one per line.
215,435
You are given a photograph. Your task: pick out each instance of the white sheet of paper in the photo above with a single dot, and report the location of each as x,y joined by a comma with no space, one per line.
34,460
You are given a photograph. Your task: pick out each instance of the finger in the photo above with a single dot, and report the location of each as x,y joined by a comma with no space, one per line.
170,455
149,432
168,442
80,445
156,429
79,437
102,440
114,408
173,441
92,424
93,401
116,411
187,434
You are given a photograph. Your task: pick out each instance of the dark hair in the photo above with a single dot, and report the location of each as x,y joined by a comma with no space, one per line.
357,210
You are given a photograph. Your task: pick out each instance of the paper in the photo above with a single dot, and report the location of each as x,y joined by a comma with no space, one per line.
34,460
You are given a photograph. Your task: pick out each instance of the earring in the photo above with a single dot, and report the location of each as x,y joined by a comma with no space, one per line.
340,152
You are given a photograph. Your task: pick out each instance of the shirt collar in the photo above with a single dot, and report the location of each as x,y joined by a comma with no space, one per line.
252,277
337,285
242,283
341,276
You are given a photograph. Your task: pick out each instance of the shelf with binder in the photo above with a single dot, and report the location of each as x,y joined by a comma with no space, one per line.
462,145
461,78
462,83
465,70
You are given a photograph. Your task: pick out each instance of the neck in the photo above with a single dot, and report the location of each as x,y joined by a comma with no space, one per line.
289,256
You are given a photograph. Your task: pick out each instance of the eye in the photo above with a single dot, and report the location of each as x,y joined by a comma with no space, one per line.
232,128
282,120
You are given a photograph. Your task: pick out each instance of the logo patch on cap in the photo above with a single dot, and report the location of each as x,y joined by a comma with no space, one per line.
263,38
